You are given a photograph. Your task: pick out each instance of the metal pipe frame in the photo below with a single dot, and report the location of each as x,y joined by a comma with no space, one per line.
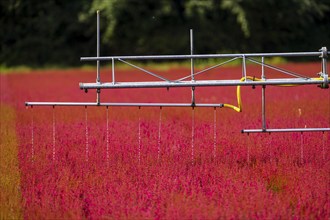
183,82
285,130
123,104
299,80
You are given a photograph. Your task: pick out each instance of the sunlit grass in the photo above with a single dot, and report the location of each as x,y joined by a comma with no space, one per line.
10,194
21,69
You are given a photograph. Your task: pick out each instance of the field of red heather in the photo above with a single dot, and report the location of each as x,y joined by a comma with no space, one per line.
169,163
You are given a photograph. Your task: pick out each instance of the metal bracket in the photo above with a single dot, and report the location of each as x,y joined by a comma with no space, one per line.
324,51
324,74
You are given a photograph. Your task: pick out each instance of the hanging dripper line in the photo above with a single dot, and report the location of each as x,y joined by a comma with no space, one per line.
301,148
32,134
139,133
159,132
54,133
192,135
107,137
248,148
323,146
214,132
86,134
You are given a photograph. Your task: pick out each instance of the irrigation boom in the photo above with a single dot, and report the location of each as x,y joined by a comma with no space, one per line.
292,79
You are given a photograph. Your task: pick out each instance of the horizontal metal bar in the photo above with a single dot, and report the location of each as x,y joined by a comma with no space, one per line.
159,84
168,57
286,130
120,104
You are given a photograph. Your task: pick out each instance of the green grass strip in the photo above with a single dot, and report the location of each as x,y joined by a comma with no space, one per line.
151,64
10,194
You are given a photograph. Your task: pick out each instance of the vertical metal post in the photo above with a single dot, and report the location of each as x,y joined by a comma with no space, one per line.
98,54
263,97
192,70
324,59
262,68
113,71
244,67
192,52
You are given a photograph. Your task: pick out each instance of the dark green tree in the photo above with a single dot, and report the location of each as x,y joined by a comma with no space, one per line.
44,32
292,25
59,32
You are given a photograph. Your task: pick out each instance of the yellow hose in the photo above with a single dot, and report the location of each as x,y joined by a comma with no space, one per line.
238,108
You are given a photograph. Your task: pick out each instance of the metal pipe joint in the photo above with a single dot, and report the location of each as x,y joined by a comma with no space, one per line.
324,73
